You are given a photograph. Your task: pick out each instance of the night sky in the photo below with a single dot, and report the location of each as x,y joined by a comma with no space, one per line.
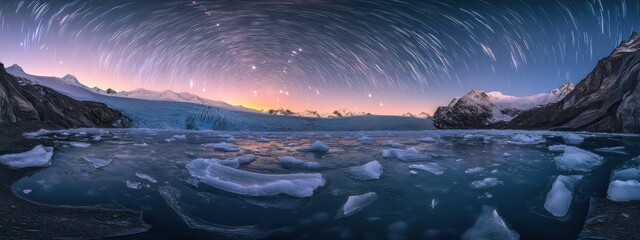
384,57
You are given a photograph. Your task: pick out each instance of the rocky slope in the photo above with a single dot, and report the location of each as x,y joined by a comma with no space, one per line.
479,109
607,100
27,105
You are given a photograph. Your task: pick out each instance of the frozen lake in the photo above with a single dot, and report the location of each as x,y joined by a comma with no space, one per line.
432,185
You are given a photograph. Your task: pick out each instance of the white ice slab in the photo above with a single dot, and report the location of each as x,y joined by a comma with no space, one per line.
559,197
356,203
368,171
39,156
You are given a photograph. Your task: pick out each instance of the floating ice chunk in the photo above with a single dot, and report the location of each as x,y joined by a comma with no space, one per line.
434,203
222,147
623,191
616,150
317,146
26,191
626,174
97,162
245,159
365,140
179,137
559,197
506,154
169,140
473,137
134,185
434,168
474,170
393,144
80,144
427,139
573,139
357,203
146,177
490,225
558,148
576,159
412,172
408,155
524,139
254,184
263,140
140,144
39,156
291,162
485,183
368,171
97,138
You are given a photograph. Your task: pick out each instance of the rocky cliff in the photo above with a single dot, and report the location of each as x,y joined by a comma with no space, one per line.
24,105
607,100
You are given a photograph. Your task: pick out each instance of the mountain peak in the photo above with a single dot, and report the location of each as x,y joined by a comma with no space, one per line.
70,79
15,67
630,45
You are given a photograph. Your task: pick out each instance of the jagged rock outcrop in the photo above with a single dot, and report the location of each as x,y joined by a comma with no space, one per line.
478,109
607,100
25,104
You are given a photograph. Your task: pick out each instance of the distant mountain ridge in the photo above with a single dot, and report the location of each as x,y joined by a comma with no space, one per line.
139,93
479,109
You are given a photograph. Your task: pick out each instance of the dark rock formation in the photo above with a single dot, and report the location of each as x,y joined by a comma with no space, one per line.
607,100
473,110
25,104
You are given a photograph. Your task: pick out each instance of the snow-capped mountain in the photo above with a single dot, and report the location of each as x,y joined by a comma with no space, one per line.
311,113
70,86
479,109
24,105
420,115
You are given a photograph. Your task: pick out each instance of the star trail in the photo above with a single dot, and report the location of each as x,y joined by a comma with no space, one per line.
385,57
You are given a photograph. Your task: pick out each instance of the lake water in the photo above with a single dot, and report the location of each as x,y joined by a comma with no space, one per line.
421,205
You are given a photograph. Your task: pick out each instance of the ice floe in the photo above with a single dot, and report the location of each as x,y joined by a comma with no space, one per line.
292,162
427,139
368,171
561,194
526,139
318,147
408,155
490,225
179,137
97,162
393,144
134,185
624,185
254,184
616,150
485,183
39,156
474,170
573,139
356,203
576,159
434,168
146,177
26,191
222,147
80,144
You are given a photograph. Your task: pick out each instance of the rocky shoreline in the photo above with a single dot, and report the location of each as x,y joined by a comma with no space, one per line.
23,219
